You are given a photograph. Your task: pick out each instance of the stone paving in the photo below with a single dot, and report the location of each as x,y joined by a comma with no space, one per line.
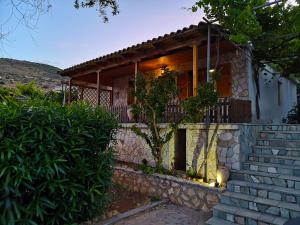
168,214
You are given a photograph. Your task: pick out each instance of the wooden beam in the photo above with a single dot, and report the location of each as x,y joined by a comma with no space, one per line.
195,69
90,85
136,70
98,88
70,92
138,56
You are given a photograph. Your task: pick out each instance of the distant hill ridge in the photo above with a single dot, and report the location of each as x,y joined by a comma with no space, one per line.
13,71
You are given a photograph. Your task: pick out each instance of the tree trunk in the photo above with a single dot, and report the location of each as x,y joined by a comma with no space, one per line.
257,94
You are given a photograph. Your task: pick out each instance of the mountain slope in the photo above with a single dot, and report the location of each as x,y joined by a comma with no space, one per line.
13,71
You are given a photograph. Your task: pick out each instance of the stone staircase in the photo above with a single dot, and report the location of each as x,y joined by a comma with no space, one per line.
267,190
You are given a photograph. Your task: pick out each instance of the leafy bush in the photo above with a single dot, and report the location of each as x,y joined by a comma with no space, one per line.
197,106
153,94
29,91
55,162
294,115
6,94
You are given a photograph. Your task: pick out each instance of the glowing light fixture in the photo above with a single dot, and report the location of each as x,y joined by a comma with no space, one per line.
212,184
212,70
219,178
163,68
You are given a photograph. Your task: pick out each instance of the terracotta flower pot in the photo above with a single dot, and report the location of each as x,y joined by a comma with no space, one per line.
223,174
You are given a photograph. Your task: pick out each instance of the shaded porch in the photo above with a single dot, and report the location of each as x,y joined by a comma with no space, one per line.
109,80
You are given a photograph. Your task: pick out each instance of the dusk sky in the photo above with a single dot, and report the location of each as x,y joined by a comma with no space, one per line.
66,36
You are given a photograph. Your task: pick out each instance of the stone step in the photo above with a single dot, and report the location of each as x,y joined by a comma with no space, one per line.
264,191
245,216
266,178
217,221
286,135
273,142
277,159
272,168
275,150
282,127
262,205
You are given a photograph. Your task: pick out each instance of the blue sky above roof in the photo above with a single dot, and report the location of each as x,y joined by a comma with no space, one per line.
66,36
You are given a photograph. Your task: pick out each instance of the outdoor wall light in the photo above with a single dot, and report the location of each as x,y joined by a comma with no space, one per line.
163,68
212,70
219,179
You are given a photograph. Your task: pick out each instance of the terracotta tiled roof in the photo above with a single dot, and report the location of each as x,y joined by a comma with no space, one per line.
133,47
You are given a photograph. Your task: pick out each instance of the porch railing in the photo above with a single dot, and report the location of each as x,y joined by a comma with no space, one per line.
228,110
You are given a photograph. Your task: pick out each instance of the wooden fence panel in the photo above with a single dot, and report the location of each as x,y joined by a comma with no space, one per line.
226,111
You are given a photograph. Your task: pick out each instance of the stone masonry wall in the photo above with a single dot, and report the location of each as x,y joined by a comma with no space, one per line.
224,151
178,191
240,75
225,147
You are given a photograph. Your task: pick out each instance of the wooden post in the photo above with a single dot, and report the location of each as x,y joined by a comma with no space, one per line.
81,93
70,92
195,69
136,70
98,87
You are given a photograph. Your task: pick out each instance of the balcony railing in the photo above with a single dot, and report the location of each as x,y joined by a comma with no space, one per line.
227,110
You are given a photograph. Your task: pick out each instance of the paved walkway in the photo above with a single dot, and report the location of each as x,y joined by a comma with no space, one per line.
168,214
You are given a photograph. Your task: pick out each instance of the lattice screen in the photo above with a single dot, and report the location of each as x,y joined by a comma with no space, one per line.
105,98
74,93
90,95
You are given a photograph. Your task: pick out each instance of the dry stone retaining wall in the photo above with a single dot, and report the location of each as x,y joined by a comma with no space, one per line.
177,190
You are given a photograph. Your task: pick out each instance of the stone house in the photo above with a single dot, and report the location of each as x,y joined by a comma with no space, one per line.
107,80
263,158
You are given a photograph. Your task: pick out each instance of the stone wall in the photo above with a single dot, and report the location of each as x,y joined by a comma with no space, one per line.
131,148
239,71
225,148
230,145
177,190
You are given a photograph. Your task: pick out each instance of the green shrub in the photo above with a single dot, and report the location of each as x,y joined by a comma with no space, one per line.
294,115
29,91
55,162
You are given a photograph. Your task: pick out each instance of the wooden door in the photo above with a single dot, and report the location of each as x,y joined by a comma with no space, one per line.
180,150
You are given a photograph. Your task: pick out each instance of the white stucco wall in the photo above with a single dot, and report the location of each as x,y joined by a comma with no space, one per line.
271,110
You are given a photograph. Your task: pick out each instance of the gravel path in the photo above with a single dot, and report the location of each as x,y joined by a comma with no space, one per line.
167,214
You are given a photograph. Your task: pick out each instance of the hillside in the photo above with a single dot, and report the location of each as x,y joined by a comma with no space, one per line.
13,71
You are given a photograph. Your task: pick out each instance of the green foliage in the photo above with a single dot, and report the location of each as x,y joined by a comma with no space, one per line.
6,94
101,4
274,31
149,170
29,92
153,95
294,115
191,172
55,162
197,106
